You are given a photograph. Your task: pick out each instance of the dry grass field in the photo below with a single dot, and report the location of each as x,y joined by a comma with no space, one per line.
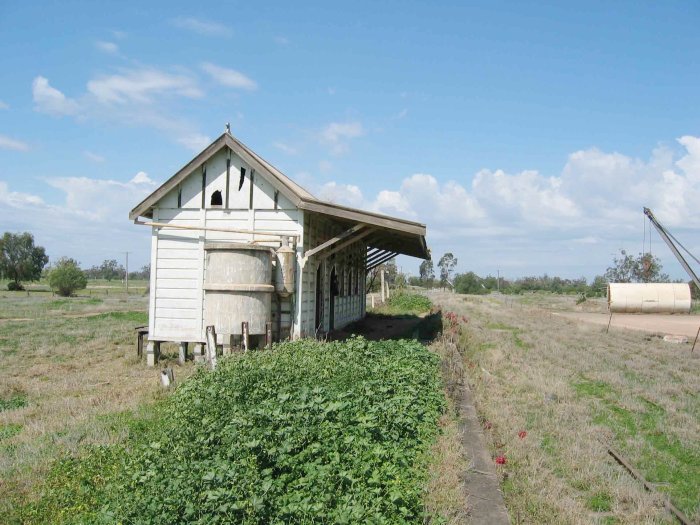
574,390
69,376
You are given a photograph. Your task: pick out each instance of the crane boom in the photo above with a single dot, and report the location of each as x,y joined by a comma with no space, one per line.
667,237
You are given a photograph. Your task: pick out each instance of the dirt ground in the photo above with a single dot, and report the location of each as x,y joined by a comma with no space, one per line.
655,323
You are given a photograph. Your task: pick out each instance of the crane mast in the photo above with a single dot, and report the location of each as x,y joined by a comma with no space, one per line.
668,239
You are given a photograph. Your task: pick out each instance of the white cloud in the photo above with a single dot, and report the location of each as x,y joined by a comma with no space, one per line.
12,144
94,157
195,141
107,47
528,223
48,99
337,135
286,148
281,40
62,228
229,77
142,178
102,200
16,199
346,194
202,27
142,85
401,114
142,96
3,105
121,35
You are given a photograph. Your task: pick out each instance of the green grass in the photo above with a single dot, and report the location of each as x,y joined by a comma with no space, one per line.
308,433
134,317
70,302
13,402
600,502
663,460
404,303
9,430
517,340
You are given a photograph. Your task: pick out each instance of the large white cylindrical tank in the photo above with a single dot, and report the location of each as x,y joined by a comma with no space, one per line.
237,287
668,298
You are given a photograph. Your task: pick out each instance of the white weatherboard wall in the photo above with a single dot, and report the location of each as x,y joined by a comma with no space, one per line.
178,258
350,267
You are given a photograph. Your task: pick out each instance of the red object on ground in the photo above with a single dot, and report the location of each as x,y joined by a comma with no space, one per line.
522,434
500,460
487,425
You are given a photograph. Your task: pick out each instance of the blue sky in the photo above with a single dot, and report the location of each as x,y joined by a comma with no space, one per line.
527,138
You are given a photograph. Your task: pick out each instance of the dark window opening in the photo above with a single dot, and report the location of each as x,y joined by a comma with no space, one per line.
216,199
277,197
179,196
242,179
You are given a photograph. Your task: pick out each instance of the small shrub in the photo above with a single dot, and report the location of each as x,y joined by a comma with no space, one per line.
15,286
67,277
410,302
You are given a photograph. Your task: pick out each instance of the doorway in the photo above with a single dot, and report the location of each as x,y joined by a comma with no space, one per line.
333,295
319,299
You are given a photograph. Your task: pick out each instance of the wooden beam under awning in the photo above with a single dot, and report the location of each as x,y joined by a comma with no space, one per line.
340,241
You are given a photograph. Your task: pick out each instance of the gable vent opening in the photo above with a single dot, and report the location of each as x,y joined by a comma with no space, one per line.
216,199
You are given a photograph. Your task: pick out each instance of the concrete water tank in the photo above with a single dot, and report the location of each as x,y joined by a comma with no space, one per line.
669,298
237,287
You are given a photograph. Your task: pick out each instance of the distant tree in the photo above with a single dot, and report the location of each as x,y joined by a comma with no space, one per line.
390,270
645,268
20,260
427,272
66,277
111,269
649,269
400,281
143,273
598,287
469,283
447,264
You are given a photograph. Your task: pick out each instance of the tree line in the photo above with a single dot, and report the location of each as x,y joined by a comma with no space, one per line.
22,261
625,268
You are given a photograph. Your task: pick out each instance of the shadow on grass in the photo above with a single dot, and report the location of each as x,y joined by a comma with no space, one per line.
382,326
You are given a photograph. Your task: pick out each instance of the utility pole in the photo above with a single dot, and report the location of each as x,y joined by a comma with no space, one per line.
498,280
127,274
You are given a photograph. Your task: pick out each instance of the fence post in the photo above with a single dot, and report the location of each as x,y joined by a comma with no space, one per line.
244,335
268,335
211,346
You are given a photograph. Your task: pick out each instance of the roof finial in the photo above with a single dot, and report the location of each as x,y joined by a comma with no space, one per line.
228,128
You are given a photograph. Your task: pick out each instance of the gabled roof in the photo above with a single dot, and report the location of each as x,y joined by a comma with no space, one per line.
408,236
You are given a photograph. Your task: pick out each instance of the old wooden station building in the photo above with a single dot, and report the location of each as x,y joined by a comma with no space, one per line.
234,240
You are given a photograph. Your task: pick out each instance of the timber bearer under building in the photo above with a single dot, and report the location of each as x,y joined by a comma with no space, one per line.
234,240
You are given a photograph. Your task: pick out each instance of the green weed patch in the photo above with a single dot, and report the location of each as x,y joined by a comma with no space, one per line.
9,430
405,303
13,402
308,433
135,317
665,461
